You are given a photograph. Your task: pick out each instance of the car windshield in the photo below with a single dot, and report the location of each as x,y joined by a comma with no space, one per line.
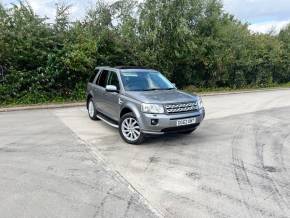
145,81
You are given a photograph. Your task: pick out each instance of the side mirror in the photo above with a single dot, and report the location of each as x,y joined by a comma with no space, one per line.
111,88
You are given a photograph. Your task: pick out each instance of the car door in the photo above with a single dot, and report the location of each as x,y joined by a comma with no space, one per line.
100,91
112,98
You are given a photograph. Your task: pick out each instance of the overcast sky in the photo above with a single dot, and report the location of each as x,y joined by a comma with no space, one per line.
263,15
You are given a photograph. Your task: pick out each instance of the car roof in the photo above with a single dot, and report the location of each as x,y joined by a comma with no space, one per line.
126,68
132,68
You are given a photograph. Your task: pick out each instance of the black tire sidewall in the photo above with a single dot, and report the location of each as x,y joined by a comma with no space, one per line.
94,117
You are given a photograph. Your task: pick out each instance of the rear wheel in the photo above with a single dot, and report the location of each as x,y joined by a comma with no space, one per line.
130,130
92,110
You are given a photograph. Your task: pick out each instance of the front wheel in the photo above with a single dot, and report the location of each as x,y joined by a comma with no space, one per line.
130,130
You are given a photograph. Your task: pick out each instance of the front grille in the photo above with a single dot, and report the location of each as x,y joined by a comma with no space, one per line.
181,107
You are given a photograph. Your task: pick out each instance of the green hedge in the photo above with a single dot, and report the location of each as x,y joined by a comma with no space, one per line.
194,42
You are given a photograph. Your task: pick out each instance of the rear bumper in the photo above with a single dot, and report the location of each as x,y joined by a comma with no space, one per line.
167,123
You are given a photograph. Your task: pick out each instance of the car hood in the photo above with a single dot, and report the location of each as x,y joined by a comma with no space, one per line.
162,96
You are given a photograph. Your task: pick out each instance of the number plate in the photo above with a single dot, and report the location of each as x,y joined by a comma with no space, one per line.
186,122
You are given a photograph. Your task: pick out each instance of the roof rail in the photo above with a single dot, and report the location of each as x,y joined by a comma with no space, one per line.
131,67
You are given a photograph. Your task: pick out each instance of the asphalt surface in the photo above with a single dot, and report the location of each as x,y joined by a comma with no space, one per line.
47,171
58,163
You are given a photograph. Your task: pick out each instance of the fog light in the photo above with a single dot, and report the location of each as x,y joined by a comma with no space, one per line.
154,122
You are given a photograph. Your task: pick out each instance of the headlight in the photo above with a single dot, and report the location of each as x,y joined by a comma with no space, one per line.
200,103
152,108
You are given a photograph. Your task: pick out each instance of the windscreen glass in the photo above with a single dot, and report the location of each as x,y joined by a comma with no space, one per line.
145,81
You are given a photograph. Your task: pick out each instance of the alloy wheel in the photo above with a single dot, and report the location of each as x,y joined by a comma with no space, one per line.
131,129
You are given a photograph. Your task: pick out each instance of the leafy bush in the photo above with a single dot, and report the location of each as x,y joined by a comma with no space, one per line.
194,42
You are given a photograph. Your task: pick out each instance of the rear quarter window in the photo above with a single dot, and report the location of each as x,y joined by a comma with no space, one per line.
102,79
93,76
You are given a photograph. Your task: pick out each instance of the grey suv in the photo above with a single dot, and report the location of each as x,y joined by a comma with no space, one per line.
141,102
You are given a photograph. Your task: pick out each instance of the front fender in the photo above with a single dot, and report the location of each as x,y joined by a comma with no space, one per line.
89,95
134,107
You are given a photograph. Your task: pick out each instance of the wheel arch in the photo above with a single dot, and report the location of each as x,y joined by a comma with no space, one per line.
130,108
134,108
89,96
125,110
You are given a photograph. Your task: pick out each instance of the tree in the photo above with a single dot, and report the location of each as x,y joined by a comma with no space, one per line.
193,42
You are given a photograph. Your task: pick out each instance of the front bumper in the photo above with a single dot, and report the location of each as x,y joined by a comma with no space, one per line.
167,123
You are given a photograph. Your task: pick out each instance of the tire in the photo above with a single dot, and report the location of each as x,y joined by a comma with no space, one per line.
189,131
92,110
130,130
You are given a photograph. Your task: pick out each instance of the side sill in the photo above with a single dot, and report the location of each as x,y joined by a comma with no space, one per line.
108,121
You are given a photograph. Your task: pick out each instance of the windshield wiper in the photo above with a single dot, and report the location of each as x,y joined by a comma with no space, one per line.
147,90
